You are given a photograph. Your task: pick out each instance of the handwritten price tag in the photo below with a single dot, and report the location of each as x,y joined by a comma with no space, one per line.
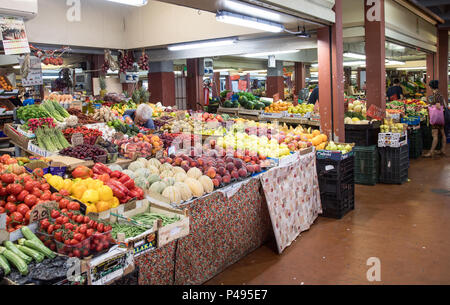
42,211
77,139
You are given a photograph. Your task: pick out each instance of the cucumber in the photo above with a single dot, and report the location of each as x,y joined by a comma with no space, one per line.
38,247
5,265
30,235
15,260
38,256
13,248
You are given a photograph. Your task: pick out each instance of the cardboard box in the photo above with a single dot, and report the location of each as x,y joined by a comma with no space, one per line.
392,139
69,162
15,136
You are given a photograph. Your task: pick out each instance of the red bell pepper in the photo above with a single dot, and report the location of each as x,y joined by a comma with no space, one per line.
125,199
102,167
116,174
129,184
133,193
124,178
116,191
119,185
105,178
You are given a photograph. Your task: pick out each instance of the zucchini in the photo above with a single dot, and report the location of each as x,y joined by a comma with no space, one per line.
13,248
38,247
30,235
38,256
5,265
15,260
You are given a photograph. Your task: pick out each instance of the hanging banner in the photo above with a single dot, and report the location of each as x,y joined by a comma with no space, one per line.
34,77
242,85
13,35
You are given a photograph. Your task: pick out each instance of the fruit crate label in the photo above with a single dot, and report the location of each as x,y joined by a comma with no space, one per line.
77,139
148,243
37,150
110,266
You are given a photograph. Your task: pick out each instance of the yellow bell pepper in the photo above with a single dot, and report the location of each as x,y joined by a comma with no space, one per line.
95,185
47,176
103,206
67,185
115,202
78,190
90,196
105,193
91,208
56,182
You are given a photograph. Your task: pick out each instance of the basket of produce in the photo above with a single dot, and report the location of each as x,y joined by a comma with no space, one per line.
86,152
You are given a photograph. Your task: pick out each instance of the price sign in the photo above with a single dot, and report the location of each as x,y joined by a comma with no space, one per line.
159,154
41,211
375,112
77,139
77,105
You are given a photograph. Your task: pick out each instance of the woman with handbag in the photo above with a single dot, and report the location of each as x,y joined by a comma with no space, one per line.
436,105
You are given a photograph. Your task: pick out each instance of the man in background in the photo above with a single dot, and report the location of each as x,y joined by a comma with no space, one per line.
395,92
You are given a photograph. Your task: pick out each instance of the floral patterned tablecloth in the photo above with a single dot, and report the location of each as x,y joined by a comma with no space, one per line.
293,198
226,226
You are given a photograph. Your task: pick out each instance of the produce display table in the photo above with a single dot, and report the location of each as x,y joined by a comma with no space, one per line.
226,226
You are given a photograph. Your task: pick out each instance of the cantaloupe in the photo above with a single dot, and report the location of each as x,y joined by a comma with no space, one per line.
154,162
208,185
180,177
194,173
153,169
158,187
166,173
185,191
172,193
195,186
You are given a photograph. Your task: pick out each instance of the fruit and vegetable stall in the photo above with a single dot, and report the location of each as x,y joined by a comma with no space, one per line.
180,203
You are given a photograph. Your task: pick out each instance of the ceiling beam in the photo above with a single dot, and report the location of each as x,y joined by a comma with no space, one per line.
429,3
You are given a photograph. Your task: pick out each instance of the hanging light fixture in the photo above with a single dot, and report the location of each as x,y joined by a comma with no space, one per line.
250,22
131,2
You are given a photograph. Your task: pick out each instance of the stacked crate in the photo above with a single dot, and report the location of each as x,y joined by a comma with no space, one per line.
366,164
394,164
336,184
415,143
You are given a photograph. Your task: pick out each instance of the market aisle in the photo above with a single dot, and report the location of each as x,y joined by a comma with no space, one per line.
405,226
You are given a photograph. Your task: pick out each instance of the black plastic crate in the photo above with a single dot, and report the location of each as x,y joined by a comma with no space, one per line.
334,207
366,164
362,137
394,164
335,170
334,187
415,143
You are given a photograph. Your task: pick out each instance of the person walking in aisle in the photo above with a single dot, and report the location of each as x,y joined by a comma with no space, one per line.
395,92
437,100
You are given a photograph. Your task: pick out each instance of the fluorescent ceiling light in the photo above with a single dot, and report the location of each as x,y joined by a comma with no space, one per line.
264,54
16,67
354,55
395,62
254,71
221,70
131,2
250,22
251,10
314,65
355,63
412,68
201,44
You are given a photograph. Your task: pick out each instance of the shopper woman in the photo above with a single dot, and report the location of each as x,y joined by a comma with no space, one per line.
142,116
437,100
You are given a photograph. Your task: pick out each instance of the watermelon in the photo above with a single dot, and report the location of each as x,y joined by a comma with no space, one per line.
235,104
228,104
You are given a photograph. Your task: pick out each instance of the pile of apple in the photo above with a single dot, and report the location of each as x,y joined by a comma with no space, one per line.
222,169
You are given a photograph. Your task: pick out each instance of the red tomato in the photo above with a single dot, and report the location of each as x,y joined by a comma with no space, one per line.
58,236
76,253
89,232
3,191
56,197
63,203
79,218
54,214
45,197
2,203
16,217
45,186
11,198
23,209
44,224
27,215
100,227
27,178
86,219
57,226
68,226
64,192
75,206
74,217
74,242
2,210
30,200
82,229
16,189
10,207
7,178
38,172
78,236
64,211
50,229
37,192
22,195
29,186
36,184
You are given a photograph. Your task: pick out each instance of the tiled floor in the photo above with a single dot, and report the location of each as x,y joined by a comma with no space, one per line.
406,226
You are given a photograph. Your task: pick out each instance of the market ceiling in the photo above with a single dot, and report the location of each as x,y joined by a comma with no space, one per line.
440,8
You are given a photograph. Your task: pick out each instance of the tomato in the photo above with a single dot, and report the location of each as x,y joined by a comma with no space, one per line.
100,227
11,198
65,219
56,197
76,253
16,189
58,236
75,206
7,178
53,247
16,217
50,229
44,224
22,195
78,236
45,186
67,242
2,210
64,192
82,229
10,207
85,252
37,192
79,218
27,215
64,211
45,197
59,220
89,232
91,224
30,200
74,217
68,226
23,209
54,214
11,229
63,203
107,228
74,242
86,219
27,178
36,184
99,248
57,226
38,172
3,191
69,214
29,186
2,203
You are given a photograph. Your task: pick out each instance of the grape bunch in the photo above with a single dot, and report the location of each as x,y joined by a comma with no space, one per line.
143,62
105,66
126,63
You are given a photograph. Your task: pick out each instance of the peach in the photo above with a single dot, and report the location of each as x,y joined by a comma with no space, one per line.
230,166
226,179
242,172
221,170
235,174
211,172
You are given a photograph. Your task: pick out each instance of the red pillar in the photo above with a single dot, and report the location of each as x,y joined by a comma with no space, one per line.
194,84
442,61
162,87
299,75
274,85
216,80
247,79
331,74
227,82
96,62
431,72
375,54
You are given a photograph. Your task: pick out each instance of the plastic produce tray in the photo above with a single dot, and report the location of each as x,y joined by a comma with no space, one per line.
366,164
394,164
